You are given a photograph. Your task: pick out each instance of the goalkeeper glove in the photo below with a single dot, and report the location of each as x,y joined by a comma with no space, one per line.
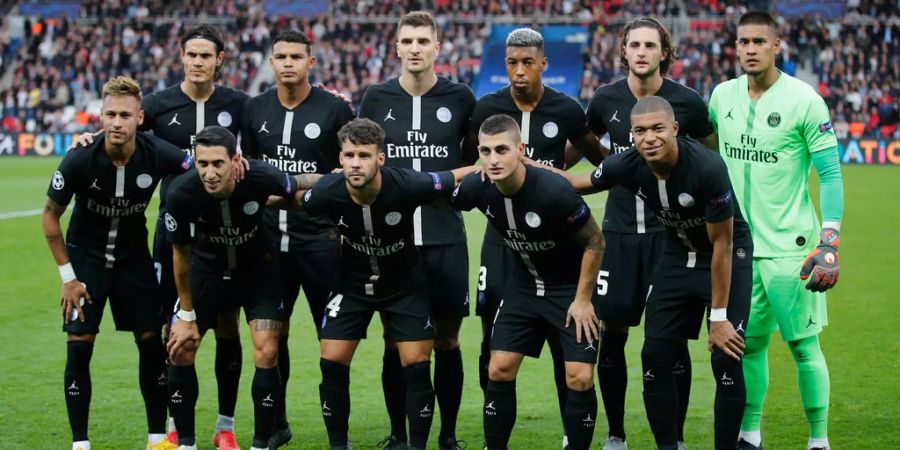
822,263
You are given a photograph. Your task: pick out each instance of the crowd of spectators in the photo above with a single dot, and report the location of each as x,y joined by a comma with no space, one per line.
60,66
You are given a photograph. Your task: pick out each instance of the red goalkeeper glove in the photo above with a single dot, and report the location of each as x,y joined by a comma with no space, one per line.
822,263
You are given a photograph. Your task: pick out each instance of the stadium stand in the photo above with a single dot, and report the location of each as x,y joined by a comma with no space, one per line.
53,74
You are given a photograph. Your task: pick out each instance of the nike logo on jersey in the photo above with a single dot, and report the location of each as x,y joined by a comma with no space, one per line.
728,116
487,212
615,117
94,185
389,116
263,128
641,194
174,120
341,222
740,327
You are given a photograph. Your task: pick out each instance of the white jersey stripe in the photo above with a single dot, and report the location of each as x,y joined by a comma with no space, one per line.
226,221
373,260
114,223
201,116
417,113
417,215
526,259
640,215
282,214
664,200
526,127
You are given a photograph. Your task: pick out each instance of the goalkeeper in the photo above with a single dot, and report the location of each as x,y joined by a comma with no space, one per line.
771,128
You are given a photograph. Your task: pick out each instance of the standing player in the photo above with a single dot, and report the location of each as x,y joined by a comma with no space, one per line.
222,262
548,119
105,252
424,118
706,261
634,238
558,249
294,127
380,270
176,114
772,126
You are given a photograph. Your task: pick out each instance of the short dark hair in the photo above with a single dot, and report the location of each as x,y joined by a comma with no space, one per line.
295,37
759,18
215,136
362,132
208,32
653,104
500,123
665,42
417,19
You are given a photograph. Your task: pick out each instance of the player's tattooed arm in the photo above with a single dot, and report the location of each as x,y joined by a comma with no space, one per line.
587,146
306,181
581,311
722,333
53,230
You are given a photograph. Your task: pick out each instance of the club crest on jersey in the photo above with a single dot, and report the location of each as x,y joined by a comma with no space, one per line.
144,181
58,181
224,119
444,114
250,208
312,130
685,199
392,218
774,119
171,224
532,219
550,130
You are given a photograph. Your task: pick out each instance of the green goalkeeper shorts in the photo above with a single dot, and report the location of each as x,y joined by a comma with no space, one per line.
780,301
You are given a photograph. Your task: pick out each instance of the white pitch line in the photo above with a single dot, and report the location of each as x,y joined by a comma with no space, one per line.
14,214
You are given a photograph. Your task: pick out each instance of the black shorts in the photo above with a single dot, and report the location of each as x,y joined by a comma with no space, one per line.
131,288
447,277
679,297
162,261
524,320
493,275
316,271
408,313
624,277
257,291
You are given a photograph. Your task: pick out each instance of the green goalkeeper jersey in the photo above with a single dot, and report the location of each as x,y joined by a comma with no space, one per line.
767,146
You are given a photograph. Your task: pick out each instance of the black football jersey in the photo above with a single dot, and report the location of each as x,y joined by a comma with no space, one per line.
377,246
697,192
299,140
545,131
226,232
108,221
175,118
424,133
538,223
610,111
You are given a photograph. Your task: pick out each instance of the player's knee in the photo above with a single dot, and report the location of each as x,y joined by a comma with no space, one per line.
499,371
446,334
265,353
90,338
580,378
614,328
658,357
334,372
807,352
418,376
756,345
184,358
146,336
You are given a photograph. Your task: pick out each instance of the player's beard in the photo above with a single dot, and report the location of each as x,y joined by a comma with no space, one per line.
649,73
359,185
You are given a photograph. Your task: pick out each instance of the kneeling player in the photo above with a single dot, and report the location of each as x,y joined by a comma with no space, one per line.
559,248
706,261
380,270
221,265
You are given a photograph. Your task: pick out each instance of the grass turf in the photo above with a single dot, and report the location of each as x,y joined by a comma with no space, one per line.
861,346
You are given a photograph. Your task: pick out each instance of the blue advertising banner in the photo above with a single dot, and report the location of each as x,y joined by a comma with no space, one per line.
563,47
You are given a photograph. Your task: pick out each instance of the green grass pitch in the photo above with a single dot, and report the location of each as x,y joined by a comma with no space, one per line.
861,346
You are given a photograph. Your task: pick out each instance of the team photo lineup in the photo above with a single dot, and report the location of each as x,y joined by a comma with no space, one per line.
638,207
